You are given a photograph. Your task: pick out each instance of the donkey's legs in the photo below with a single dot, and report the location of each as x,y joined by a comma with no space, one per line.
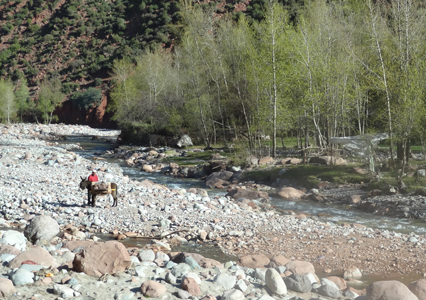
114,195
93,200
89,195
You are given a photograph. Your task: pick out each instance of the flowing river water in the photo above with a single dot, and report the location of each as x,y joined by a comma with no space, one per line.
337,214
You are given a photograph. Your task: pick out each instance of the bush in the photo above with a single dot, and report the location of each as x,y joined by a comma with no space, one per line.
48,38
87,98
76,64
7,28
34,28
98,81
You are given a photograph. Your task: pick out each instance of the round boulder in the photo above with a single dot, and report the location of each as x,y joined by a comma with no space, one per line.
151,288
290,193
389,290
300,267
418,288
41,230
101,258
254,261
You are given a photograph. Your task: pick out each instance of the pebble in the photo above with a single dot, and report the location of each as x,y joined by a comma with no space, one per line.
47,181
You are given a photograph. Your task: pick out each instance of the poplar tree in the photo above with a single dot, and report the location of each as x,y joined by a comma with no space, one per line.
49,99
7,101
23,101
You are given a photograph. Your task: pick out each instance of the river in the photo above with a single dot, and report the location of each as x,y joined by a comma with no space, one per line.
335,213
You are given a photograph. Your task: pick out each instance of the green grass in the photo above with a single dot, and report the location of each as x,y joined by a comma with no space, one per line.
309,175
192,159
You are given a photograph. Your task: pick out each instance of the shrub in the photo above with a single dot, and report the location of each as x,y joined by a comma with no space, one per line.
98,81
48,38
87,98
7,28
34,28
76,64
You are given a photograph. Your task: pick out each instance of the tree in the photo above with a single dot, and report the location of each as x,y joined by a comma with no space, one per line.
271,63
49,99
7,101
86,99
23,101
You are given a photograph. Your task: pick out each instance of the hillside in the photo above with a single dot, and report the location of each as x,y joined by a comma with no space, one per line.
77,41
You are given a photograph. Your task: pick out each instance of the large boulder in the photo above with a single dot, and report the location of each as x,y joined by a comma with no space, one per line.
72,245
101,258
298,283
41,230
266,160
36,254
153,289
184,141
254,261
247,194
221,177
389,290
191,286
279,260
418,288
290,193
8,249
300,267
275,283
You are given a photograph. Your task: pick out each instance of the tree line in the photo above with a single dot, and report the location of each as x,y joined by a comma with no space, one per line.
339,68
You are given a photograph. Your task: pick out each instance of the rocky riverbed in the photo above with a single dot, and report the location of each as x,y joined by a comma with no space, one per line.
38,177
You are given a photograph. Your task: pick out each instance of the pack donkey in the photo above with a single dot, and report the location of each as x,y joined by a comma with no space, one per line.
91,194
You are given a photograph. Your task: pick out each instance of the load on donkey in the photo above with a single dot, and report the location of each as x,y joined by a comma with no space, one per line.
94,189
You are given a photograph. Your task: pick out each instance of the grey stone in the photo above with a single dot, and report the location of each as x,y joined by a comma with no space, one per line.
181,269
298,283
142,271
184,141
170,278
241,285
192,262
232,295
329,291
225,280
170,264
41,230
260,274
6,257
14,238
274,282
163,256
21,276
146,255
32,268
63,291
182,294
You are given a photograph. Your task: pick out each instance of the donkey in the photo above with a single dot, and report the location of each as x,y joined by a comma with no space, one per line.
91,195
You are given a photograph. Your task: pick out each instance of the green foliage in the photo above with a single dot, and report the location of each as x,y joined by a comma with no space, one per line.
98,81
34,28
88,98
49,99
7,101
7,28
